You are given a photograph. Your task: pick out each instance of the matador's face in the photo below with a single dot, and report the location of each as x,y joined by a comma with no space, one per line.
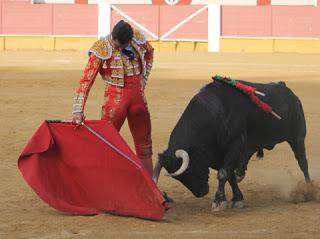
117,44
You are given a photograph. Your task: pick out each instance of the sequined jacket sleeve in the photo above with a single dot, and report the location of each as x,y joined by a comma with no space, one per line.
148,58
93,67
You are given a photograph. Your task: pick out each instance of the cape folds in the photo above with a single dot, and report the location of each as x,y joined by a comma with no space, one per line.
76,172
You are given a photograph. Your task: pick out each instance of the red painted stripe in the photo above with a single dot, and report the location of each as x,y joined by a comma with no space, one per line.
163,2
264,2
81,1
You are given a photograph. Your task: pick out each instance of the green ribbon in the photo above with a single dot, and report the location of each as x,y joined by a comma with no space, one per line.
226,80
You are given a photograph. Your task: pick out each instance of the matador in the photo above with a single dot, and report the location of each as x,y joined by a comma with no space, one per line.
124,60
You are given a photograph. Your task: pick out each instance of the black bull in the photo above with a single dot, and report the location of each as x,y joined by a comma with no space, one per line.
221,129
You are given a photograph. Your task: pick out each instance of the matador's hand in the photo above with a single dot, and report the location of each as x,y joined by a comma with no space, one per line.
78,117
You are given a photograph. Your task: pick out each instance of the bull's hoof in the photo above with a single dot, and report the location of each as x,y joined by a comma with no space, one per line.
217,207
237,204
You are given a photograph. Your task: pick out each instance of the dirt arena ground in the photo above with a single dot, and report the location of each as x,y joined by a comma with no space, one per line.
39,85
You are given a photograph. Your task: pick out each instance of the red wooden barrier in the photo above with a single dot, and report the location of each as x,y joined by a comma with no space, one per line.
195,28
75,19
48,19
271,21
147,15
27,19
0,17
246,21
263,2
18,18
296,21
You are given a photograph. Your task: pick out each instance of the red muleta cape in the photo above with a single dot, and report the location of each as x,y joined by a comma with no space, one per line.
75,172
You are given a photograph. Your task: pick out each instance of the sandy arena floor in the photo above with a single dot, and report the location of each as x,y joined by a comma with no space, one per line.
35,86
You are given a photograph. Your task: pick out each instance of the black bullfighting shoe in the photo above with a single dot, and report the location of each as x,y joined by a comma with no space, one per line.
167,198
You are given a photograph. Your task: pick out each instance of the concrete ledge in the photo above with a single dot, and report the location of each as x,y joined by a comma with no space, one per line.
84,43
167,46
201,46
1,43
74,43
155,45
227,44
185,47
246,45
297,46
28,42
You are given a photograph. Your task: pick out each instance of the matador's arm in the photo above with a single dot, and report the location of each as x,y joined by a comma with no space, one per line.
140,39
86,82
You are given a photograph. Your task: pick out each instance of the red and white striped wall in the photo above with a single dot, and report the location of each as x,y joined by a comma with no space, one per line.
166,23
187,2
191,21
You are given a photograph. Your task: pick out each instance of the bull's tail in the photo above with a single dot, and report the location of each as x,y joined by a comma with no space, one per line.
297,139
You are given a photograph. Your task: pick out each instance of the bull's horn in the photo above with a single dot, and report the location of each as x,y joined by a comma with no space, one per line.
156,172
180,153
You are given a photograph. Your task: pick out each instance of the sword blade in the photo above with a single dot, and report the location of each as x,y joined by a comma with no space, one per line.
110,144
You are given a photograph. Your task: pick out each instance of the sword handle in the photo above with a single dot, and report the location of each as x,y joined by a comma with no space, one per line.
58,121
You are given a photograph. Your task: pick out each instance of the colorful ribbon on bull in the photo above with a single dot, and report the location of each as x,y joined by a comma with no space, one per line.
251,92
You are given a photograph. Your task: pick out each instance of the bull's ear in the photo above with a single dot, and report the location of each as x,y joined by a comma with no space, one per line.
161,158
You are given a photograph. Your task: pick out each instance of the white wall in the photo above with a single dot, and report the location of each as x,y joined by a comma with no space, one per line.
294,2
53,1
226,2
123,1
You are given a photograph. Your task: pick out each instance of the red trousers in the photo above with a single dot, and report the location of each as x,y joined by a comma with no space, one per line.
130,102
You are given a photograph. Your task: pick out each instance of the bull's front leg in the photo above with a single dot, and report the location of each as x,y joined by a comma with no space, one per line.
236,155
237,199
220,202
